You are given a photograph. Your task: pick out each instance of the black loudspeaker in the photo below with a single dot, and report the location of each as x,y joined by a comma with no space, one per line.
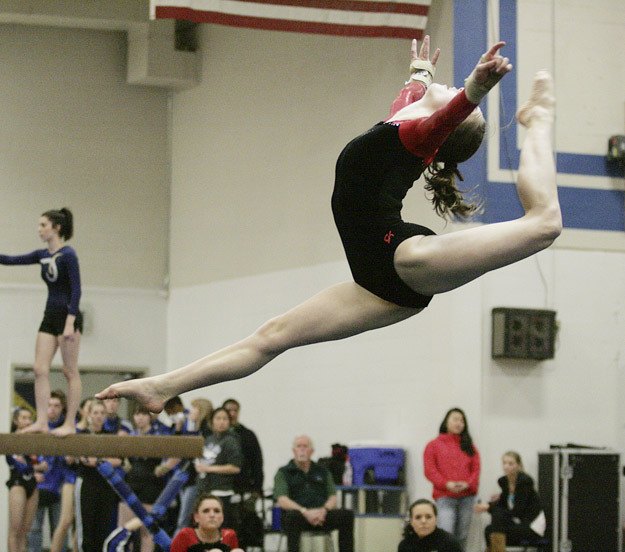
523,333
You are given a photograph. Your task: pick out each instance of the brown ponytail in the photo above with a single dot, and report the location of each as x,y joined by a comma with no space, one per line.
446,197
440,176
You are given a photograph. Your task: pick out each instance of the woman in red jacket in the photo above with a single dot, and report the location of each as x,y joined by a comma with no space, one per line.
452,464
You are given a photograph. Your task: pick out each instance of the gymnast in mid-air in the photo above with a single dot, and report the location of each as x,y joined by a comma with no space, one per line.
396,266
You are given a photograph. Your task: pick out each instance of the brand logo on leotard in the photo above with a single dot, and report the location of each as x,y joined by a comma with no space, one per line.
52,272
388,237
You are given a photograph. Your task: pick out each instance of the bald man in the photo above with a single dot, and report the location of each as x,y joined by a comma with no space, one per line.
306,493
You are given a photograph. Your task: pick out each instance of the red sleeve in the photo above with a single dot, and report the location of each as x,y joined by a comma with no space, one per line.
229,537
410,93
423,137
183,540
430,467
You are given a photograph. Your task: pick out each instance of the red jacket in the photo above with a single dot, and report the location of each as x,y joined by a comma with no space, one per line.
444,460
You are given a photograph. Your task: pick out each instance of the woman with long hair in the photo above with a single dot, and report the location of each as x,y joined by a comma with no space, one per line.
452,464
61,326
397,266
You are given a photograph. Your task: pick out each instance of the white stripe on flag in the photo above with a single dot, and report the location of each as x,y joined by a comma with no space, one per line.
298,13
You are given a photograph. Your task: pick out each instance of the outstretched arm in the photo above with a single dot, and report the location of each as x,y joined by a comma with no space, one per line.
424,136
487,73
422,72
29,258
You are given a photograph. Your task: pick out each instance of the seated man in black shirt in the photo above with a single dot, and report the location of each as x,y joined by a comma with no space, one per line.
305,491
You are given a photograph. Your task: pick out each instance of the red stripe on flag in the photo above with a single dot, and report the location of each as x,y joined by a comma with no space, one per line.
349,5
189,14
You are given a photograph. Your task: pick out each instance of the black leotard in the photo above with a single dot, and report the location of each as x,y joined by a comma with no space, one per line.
373,174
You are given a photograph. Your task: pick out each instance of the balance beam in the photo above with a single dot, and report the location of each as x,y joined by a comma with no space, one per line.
102,446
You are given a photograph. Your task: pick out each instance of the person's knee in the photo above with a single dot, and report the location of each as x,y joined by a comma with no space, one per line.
414,255
41,369
71,372
417,264
271,338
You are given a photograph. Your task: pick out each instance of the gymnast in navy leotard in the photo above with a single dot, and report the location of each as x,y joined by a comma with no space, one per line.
61,326
398,266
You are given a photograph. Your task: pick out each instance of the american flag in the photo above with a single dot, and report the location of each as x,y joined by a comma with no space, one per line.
367,18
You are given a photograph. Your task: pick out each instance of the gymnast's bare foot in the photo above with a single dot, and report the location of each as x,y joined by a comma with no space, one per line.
541,103
64,430
145,391
35,428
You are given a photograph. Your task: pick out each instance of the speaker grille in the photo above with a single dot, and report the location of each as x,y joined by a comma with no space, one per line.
523,333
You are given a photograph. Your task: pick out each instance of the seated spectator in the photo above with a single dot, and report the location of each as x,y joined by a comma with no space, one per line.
421,533
206,533
306,493
517,515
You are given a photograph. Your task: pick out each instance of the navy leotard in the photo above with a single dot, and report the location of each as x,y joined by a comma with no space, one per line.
60,272
373,174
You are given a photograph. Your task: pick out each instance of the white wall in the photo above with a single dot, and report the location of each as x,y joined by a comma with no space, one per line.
75,134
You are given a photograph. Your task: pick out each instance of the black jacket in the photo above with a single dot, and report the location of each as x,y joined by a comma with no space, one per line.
437,541
526,501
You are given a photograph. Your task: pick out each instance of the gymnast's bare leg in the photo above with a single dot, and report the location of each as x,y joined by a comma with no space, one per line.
432,264
340,311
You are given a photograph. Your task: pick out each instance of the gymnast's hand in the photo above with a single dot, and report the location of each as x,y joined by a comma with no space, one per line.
424,53
487,73
68,331
422,69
